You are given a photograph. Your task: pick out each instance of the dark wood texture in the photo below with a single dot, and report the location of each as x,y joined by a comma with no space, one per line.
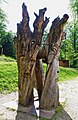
29,51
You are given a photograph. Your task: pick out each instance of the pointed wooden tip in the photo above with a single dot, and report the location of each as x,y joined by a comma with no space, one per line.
42,11
24,6
65,16
47,18
35,14
45,9
25,14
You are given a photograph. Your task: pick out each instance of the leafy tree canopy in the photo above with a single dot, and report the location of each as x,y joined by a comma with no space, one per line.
74,8
2,20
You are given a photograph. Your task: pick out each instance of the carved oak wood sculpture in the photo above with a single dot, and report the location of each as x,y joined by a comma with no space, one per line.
29,51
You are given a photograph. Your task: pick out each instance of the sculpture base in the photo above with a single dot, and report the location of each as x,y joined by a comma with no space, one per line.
30,110
26,113
25,116
47,113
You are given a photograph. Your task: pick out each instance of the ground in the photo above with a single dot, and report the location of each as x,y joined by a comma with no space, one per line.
68,109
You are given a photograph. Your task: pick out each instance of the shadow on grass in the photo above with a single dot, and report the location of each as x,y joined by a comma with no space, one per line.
60,114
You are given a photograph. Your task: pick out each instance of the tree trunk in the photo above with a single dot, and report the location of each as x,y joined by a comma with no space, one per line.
29,52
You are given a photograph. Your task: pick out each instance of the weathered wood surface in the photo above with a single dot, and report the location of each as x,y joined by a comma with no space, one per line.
50,94
29,52
27,47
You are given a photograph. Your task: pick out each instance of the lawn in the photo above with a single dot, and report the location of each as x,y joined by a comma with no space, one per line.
67,74
9,74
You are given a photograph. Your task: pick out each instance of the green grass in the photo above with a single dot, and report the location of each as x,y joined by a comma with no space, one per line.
9,74
67,73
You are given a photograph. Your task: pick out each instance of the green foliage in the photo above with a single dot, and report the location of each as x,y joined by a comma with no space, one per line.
8,76
69,46
66,49
74,7
3,58
7,44
6,38
2,21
